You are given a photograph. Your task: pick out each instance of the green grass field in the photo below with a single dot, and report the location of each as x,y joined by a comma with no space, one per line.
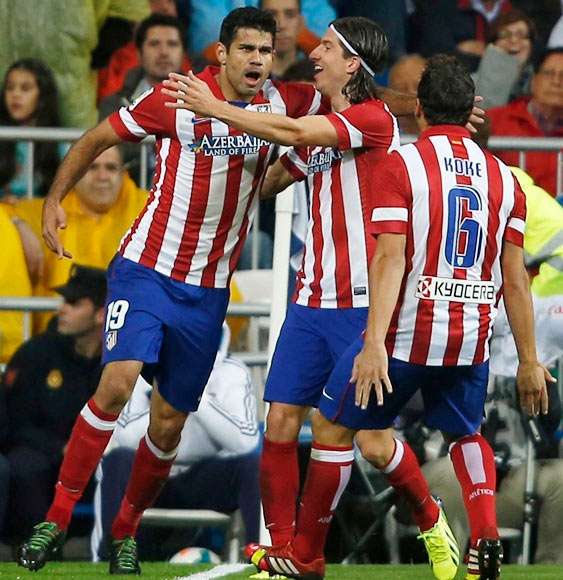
164,571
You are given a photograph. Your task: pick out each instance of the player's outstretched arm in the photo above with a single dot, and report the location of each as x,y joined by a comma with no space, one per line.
191,93
75,164
385,276
532,376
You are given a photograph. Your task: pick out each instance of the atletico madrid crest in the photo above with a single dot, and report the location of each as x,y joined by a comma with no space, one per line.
111,339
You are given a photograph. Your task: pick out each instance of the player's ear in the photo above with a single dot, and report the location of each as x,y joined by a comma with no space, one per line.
418,109
221,53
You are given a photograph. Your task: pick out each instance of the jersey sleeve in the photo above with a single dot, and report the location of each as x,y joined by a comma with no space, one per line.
391,193
368,124
147,115
295,161
516,225
302,99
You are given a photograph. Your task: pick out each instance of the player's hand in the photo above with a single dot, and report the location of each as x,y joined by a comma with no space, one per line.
531,380
370,371
190,93
476,117
54,218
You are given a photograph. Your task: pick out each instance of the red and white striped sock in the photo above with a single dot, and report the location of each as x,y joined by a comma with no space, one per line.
90,435
404,474
328,475
474,465
151,468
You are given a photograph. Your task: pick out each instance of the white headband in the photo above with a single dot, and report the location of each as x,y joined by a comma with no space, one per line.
352,50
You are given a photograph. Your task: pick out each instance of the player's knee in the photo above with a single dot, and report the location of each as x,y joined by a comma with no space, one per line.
115,388
165,432
284,422
377,450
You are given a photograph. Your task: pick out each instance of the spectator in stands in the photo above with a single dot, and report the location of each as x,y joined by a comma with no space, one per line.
539,116
205,19
98,212
161,50
64,36
112,77
47,382
505,70
14,281
404,76
459,27
28,98
217,463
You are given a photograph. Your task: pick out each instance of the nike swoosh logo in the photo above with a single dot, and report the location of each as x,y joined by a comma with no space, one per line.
325,394
196,120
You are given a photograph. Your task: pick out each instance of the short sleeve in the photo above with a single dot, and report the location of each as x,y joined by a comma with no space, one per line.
302,99
368,124
147,115
391,196
516,225
295,161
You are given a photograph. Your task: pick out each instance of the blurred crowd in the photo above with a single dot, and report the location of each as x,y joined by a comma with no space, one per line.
113,52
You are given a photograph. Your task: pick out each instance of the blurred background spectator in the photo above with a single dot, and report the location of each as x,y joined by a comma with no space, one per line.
47,382
216,467
404,76
28,98
98,211
505,70
541,115
64,35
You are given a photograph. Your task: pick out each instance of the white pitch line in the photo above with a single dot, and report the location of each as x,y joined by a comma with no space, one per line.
217,572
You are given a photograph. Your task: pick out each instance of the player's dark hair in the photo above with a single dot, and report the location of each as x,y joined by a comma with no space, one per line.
157,19
446,91
368,39
246,17
45,115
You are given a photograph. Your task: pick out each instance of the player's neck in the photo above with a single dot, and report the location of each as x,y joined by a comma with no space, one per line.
338,102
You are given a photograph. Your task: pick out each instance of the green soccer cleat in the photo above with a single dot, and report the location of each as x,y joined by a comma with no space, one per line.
442,548
123,557
264,575
43,544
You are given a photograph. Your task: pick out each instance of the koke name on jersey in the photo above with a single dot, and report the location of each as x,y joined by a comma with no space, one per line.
463,167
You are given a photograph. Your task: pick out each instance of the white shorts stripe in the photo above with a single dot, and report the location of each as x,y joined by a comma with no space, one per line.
95,421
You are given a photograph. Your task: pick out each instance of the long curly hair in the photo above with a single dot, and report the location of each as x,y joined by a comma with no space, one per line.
46,114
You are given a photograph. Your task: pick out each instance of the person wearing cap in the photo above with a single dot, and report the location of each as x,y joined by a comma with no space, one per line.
47,382
99,210
335,153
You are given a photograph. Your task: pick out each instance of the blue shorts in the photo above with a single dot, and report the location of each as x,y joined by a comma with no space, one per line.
454,397
176,326
310,343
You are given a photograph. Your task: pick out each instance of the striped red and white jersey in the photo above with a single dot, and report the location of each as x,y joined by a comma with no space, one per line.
206,183
334,269
457,205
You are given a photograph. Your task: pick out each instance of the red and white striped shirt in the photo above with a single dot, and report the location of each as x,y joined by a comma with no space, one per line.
457,205
207,178
338,249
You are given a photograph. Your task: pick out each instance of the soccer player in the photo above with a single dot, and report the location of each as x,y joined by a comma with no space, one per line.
168,284
336,154
449,233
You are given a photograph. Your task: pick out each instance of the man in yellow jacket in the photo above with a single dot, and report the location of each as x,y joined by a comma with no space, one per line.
99,211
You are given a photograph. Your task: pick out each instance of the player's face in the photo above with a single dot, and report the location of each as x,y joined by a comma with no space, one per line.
99,189
332,70
21,95
78,318
246,64
162,52
289,23
547,83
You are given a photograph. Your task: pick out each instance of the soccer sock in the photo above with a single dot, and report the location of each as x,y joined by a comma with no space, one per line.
90,435
404,474
151,467
474,465
327,476
279,486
